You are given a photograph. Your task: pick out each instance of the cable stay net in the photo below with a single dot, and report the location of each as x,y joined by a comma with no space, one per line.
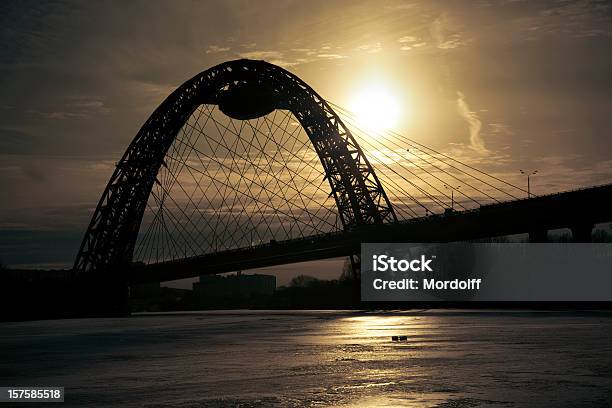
420,180
228,184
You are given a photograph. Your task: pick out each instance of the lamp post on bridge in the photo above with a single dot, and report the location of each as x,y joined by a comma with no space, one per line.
528,174
452,190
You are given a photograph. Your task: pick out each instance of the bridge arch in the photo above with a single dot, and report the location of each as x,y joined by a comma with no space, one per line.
242,89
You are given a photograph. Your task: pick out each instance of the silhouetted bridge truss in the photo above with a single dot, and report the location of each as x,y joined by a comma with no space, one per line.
246,166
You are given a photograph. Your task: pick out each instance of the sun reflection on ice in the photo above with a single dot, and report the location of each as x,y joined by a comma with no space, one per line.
379,328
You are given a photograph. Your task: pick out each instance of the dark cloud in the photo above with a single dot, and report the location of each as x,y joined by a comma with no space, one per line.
14,141
34,173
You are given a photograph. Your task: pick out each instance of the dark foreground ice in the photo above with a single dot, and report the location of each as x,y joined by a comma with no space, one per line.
293,359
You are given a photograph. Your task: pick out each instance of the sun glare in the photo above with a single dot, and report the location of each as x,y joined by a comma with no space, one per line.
376,108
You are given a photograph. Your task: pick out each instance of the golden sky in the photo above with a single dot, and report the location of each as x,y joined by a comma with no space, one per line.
502,84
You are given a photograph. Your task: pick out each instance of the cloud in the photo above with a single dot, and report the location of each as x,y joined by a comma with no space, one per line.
331,56
445,34
14,141
262,55
407,39
273,57
371,48
412,47
564,172
410,42
474,123
579,19
293,57
501,129
124,70
402,6
212,49
307,51
77,107
34,173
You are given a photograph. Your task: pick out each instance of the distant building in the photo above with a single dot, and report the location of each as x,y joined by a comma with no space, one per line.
145,297
238,286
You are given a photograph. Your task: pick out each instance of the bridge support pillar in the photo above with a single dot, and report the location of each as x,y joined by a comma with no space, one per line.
582,232
539,235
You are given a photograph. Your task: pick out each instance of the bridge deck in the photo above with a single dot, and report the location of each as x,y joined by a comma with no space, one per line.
583,207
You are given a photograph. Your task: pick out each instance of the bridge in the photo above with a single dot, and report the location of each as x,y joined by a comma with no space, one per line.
535,216
246,166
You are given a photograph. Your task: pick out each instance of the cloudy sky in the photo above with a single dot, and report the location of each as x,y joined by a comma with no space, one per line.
508,84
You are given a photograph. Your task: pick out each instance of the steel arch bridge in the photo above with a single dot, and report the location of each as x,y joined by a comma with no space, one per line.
243,90
245,166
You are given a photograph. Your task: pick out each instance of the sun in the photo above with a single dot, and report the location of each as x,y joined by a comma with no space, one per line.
375,107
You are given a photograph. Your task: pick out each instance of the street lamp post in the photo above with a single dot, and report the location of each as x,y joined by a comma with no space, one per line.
452,190
528,174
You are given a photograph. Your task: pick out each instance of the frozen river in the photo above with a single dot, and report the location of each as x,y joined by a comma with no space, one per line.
451,359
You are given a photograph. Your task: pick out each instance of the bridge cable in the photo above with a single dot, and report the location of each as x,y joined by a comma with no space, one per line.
272,156
353,122
419,146
366,140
